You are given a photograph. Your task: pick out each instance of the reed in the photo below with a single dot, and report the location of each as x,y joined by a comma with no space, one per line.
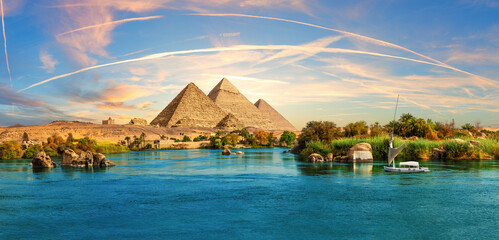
413,150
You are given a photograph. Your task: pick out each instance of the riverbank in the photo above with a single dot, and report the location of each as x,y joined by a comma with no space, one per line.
468,148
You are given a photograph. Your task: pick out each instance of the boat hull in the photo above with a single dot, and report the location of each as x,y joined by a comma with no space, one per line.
406,170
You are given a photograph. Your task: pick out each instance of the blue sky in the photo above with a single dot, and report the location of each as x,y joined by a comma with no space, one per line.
340,61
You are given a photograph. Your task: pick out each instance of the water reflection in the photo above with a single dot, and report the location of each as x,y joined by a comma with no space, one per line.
338,169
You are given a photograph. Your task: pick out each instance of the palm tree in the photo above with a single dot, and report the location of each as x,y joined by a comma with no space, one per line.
143,138
127,139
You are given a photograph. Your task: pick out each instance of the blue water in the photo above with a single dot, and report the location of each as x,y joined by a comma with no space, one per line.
264,194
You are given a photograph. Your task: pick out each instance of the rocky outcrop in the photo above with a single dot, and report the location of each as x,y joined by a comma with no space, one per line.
42,160
138,121
475,143
68,157
295,149
438,154
360,152
314,157
329,157
85,159
226,151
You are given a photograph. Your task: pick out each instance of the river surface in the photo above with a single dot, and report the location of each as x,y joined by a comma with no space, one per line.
264,194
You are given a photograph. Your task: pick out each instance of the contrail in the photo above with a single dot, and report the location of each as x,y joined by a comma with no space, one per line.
369,39
5,44
109,23
355,35
235,48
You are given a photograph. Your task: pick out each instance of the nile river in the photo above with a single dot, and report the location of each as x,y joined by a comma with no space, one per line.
264,194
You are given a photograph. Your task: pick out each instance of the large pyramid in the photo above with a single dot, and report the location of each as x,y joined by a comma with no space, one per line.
190,108
229,99
277,119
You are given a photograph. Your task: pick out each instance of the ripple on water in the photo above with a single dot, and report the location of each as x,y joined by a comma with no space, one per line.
263,194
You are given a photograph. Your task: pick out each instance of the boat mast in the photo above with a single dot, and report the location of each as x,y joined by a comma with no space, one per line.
393,126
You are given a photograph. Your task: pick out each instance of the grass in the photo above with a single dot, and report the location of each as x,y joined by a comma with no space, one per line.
413,150
110,147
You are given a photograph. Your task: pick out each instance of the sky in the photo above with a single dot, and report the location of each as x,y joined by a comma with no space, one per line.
340,61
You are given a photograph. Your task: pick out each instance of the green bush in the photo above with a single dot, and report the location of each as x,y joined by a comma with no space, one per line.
31,151
287,137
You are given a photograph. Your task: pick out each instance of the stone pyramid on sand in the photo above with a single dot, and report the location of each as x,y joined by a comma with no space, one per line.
190,108
230,122
229,99
274,116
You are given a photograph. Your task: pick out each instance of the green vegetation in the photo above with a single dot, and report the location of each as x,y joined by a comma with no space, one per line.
413,150
10,150
314,131
421,137
287,137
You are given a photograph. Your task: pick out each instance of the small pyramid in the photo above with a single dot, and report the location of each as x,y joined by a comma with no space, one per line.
190,108
277,119
230,122
229,99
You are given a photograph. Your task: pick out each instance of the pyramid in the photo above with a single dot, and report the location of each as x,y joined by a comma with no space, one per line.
230,122
190,108
277,119
229,99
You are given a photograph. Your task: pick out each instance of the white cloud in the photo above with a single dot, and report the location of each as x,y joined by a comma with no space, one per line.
47,61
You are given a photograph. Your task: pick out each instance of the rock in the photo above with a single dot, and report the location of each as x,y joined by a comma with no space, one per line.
106,163
138,121
314,157
226,151
287,151
238,153
360,152
98,158
295,149
42,160
86,158
342,159
475,143
68,157
438,154
329,157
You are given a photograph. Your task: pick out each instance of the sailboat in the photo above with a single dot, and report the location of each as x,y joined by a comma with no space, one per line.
409,167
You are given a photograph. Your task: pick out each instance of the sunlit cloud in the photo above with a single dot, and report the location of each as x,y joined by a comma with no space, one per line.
48,61
125,92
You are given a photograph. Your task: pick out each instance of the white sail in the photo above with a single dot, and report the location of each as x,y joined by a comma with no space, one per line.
393,152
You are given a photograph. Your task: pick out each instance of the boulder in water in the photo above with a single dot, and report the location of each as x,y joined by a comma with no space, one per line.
226,150
360,152
42,160
314,157
68,157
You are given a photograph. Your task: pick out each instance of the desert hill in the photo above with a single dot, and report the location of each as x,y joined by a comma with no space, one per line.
110,133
